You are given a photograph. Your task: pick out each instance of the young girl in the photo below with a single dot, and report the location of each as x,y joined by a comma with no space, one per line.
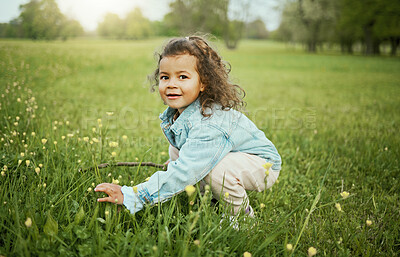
209,140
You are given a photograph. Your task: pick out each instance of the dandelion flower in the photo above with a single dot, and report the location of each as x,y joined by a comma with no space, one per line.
113,144
338,207
190,189
55,142
312,251
37,170
27,162
19,162
22,154
135,189
110,113
44,185
196,242
67,123
289,247
247,254
41,165
70,135
125,137
55,128
267,165
28,222
14,133
3,173
262,205
86,139
17,118
18,100
147,179
89,189
44,141
267,173
344,194
115,181
62,137
226,194
95,140
5,167
33,134
106,213
368,222
16,123
113,154
99,121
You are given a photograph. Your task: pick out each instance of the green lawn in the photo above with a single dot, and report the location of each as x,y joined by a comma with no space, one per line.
333,118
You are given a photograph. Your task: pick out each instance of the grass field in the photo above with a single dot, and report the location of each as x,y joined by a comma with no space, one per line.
333,118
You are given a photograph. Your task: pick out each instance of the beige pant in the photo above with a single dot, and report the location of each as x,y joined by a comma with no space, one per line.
234,174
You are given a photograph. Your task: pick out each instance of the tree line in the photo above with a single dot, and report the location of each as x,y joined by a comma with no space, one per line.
42,19
314,23
370,23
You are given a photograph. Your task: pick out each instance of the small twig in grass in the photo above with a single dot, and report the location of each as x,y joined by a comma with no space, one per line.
129,164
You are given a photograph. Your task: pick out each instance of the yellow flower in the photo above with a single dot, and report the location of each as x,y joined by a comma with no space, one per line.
267,173
18,100
312,251
16,123
113,144
113,154
3,173
267,165
226,194
262,205
55,142
289,247
246,254
124,137
99,121
147,179
28,222
110,113
37,170
190,189
344,194
95,140
5,167
27,162
62,137
22,154
44,140
41,165
338,207
70,135
115,181
106,213
19,162
86,139
196,242
369,222
67,123
135,189
44,185
17,118
94,129
89,189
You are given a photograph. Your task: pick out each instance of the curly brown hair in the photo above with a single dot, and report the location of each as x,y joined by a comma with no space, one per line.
213,73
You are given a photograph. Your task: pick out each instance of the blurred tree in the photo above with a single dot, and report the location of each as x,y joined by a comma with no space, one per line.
256,30
71,28
207,16
41,19
112,26
137,26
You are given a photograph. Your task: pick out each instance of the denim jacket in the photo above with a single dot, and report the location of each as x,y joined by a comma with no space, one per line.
202,142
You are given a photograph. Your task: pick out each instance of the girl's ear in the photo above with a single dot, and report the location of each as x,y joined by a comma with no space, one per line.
202,87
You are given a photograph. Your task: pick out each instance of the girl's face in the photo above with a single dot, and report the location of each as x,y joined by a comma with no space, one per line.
179,81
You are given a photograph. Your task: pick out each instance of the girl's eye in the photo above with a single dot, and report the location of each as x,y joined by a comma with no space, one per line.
163,77
183,77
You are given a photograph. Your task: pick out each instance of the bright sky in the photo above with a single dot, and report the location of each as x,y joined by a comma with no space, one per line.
90,12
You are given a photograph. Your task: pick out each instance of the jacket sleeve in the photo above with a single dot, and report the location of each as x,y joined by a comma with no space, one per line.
205,146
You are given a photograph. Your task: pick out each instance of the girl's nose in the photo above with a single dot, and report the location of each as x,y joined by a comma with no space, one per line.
171,84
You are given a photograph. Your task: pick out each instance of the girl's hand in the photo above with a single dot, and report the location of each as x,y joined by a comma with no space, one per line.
114,193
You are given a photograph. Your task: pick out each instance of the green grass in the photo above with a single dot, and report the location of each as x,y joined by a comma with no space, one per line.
333,118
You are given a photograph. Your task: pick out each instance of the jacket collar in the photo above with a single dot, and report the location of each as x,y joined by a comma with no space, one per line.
167,116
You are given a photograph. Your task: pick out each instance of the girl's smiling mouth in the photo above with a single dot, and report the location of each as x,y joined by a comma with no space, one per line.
173,96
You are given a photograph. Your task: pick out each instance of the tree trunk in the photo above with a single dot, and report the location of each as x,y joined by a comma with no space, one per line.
394,43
